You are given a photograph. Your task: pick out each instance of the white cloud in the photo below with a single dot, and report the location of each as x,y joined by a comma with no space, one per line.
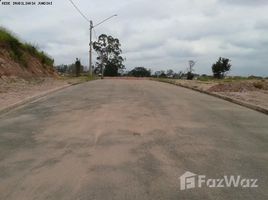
153,33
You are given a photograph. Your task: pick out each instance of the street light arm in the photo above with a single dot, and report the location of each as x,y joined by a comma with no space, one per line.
104,21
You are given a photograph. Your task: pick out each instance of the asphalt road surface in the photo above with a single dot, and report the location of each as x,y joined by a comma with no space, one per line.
129,139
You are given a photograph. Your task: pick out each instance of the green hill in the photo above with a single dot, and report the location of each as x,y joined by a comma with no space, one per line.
22,59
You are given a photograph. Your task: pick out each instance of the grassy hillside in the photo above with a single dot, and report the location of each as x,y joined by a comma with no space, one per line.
26,55
6,37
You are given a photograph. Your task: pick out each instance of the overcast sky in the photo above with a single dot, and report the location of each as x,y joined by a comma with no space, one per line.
157,34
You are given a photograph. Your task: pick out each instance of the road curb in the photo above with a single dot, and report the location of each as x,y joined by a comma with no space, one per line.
241,103
33,98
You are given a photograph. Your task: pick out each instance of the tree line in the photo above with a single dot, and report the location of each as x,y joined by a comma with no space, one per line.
111,63
219,70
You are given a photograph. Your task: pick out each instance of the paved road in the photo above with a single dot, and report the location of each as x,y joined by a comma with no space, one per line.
127,139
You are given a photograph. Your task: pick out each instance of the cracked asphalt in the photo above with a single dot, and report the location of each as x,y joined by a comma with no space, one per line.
130,139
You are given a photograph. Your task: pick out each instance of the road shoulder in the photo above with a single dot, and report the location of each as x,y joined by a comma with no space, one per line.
17,92
225,96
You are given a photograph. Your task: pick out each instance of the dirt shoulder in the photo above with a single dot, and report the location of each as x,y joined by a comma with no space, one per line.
253,93
14,90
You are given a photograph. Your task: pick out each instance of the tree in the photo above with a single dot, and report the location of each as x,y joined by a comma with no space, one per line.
221,68
170,73
77,67
109,60
163,74
140,72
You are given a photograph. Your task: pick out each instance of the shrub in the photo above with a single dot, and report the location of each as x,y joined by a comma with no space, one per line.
190,76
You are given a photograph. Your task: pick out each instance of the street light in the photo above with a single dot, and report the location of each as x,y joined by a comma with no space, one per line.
90,30
90,42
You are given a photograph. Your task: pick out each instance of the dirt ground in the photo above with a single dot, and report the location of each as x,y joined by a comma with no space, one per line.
13,90
251,91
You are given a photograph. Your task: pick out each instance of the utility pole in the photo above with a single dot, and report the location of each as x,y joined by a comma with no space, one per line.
191,65
90,47
90,32
90,43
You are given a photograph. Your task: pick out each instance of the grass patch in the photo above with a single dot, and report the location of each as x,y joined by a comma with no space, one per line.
80,79
13,42
205,78
42,56
255,78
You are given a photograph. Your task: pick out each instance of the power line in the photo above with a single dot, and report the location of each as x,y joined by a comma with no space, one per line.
95,34
105,20
84,16
90,32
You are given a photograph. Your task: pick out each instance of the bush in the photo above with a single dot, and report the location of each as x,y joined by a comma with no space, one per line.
190,76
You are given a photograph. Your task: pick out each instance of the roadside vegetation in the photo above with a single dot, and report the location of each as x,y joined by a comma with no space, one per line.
110,63
19,49
77,80
109,60
74,73
140,72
